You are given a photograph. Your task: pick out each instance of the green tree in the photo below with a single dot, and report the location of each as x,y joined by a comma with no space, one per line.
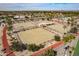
68,38
9,22
16,46
74,30
10,28
34,47
49,52
57,38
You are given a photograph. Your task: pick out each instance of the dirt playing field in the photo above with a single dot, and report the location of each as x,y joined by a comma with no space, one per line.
36,36
59,28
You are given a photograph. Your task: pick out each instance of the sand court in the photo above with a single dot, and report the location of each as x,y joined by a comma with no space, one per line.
37,36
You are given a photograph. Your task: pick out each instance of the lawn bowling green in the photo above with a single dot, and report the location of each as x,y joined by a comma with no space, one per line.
37,36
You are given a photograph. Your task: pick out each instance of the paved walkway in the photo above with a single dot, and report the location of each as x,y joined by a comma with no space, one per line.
8,52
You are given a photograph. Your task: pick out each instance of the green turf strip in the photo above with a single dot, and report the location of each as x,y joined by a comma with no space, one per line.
76,51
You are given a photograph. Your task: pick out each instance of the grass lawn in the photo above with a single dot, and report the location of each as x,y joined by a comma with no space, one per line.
76,52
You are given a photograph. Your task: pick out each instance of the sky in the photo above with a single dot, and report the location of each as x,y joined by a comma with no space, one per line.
38,6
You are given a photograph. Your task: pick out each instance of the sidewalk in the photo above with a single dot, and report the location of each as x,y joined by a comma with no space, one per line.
7,51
